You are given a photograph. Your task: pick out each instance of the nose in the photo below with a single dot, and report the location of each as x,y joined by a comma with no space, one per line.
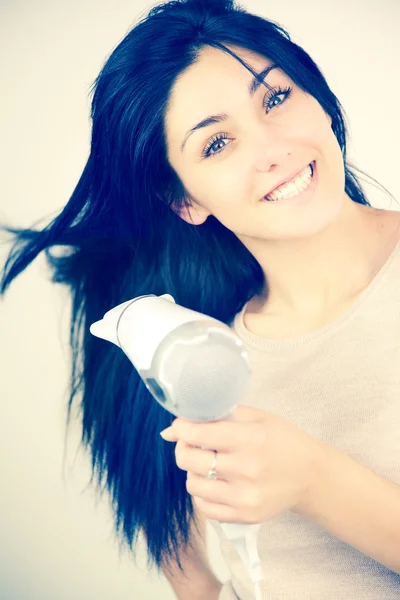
269,150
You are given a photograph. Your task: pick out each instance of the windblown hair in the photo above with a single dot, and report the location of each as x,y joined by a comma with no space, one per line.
122,239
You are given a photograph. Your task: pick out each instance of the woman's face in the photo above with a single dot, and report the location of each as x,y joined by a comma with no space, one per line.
267,137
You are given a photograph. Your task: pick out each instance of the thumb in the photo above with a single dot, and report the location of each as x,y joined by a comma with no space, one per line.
247,414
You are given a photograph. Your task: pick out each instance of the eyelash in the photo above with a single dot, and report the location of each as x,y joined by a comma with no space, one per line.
267,99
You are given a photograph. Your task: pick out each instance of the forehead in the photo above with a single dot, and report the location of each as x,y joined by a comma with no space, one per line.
205,86
215,67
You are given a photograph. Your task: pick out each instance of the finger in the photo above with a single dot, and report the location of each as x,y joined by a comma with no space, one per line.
213,490
169,434
217,512
222,500
199,461
222,436
227,499
224,513
241,414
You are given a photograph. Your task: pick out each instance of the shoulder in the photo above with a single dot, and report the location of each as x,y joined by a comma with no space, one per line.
395,223
398,224
389,224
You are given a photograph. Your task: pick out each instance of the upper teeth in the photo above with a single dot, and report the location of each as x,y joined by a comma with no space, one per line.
293,187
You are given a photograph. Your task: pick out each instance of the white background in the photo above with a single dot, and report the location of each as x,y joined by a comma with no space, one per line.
56,539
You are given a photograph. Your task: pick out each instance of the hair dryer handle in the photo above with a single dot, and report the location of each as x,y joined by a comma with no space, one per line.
244,538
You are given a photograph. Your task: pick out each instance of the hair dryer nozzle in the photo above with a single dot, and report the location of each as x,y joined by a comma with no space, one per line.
104,330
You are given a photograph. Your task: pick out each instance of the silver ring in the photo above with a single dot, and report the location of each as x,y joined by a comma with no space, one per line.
212,473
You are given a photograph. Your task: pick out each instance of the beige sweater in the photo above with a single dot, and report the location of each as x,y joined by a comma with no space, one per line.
340,383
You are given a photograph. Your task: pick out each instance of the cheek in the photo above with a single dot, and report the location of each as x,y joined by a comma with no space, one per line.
311,130
310,120
222,187
317,133
232,180
331,149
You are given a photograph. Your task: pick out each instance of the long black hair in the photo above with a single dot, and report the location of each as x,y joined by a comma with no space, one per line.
121,239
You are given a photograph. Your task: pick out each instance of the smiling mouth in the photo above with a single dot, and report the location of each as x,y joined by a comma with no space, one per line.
298,184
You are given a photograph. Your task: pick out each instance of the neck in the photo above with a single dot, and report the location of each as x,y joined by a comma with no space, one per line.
309,275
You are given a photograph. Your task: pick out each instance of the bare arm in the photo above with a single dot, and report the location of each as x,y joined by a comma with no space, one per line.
198,581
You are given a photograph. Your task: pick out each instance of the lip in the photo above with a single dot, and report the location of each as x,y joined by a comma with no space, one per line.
301,198
288,179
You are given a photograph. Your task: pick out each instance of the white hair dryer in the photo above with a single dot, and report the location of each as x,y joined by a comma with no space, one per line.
194,366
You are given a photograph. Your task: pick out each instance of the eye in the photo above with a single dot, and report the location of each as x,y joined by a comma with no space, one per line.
212,145
275,97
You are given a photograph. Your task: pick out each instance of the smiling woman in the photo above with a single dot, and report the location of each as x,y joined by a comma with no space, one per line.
273,138
230,189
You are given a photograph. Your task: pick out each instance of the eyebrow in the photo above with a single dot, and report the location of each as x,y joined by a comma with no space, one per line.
212,119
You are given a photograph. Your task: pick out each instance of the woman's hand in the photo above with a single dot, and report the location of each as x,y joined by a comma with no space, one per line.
265,465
